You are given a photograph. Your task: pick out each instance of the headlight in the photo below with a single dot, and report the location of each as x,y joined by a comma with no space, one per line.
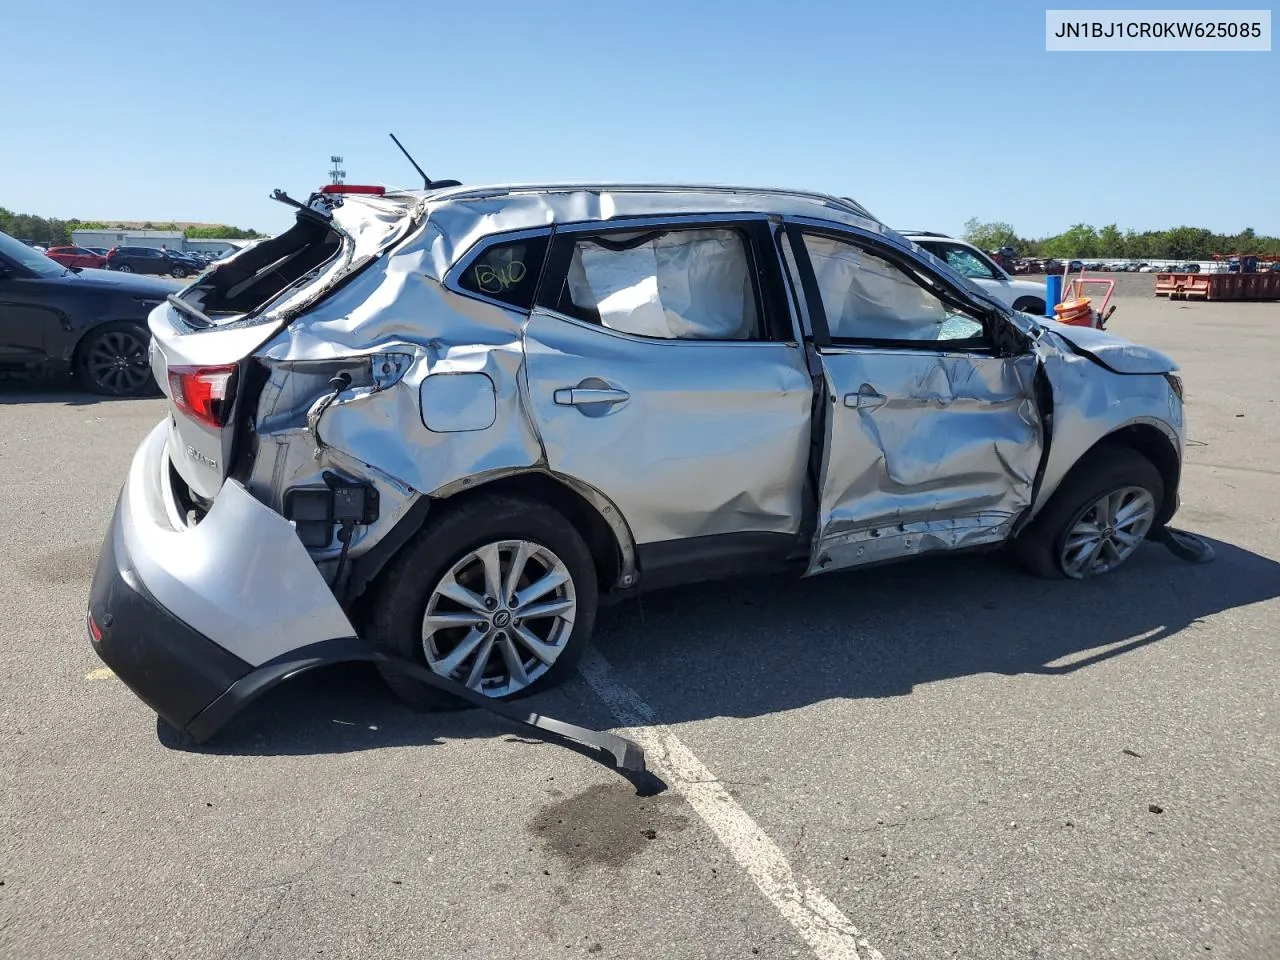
1175,384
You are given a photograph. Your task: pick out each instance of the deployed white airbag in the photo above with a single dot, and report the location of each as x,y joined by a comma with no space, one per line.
685,284
867,297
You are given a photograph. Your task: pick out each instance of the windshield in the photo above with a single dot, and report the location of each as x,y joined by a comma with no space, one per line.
33,260
966,260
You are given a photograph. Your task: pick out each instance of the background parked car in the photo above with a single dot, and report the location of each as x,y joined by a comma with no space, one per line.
968,260
92,323
139,260
183,264
77,257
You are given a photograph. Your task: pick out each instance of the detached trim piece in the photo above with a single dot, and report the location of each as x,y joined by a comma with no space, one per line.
627,756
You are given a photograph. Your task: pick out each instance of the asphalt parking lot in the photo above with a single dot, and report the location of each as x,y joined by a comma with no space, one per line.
959,760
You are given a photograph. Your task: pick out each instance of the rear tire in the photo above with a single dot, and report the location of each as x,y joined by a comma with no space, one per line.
1109,470
113,360
429,604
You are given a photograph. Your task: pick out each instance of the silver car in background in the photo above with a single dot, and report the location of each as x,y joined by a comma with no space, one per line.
447,423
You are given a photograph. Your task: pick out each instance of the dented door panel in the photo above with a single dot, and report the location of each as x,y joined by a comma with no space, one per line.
924,451
711,437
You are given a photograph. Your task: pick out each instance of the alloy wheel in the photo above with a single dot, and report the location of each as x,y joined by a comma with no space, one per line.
117,361
1107,532
500,617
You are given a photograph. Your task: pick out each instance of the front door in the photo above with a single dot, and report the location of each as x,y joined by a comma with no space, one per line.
25,319
932,439
663,372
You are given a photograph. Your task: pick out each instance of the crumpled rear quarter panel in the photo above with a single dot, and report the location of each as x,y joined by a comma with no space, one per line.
402,310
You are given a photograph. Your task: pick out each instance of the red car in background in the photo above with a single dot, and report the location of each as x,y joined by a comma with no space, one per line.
77,257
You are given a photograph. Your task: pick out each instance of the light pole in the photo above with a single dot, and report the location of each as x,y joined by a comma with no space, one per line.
337,174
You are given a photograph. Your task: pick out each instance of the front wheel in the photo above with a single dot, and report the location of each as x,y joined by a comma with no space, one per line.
1097,519
125,268
499,595
113,361
179,271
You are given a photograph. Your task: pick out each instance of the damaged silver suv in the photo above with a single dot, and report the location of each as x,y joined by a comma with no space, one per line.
444,424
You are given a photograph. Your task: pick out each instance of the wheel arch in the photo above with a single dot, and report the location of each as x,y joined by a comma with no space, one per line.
1153,443
72,356
594,516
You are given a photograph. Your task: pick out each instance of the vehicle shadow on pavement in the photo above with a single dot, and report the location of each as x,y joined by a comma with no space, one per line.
63,390
758,646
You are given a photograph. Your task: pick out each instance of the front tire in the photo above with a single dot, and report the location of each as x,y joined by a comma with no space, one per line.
499,594
125,268
113,360
1097,519
179,271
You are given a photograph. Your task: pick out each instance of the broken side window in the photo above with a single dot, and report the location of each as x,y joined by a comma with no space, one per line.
865,297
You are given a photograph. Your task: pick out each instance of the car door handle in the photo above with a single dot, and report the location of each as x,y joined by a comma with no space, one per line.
581,396
864,399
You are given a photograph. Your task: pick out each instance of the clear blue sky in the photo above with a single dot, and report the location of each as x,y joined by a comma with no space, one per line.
927,112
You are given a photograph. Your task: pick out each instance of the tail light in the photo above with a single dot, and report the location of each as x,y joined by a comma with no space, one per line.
332,188
204,393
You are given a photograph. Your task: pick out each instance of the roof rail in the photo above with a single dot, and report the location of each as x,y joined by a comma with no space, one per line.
846,204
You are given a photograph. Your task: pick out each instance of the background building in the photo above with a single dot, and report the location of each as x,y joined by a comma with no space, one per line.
173,239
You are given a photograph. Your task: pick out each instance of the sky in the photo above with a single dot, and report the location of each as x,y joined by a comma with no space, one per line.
927,113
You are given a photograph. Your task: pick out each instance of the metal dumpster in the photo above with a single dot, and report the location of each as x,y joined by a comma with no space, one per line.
1218,286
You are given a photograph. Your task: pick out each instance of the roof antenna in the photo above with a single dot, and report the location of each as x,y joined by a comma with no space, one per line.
427,182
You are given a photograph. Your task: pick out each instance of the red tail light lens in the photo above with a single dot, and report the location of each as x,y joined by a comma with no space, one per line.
204,393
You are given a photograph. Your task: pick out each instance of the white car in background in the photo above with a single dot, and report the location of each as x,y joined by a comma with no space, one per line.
1025,295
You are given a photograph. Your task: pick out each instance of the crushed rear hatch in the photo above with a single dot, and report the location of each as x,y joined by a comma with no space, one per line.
204,336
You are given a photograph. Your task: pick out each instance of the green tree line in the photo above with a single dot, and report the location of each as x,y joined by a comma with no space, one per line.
1083,241
51,231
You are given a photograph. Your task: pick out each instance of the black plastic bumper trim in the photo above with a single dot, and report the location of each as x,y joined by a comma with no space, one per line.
173,668
627,756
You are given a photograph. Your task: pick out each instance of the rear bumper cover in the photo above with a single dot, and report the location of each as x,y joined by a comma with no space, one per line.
198,622
174,669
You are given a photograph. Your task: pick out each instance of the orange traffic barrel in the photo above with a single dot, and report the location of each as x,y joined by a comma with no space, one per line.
1076,313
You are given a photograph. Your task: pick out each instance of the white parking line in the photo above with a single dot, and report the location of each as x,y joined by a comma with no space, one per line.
819,921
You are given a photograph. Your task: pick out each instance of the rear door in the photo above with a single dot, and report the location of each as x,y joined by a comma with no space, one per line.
664,372
933,438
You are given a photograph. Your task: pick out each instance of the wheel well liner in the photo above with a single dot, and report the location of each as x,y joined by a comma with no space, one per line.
1151,442
605,549
586,519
